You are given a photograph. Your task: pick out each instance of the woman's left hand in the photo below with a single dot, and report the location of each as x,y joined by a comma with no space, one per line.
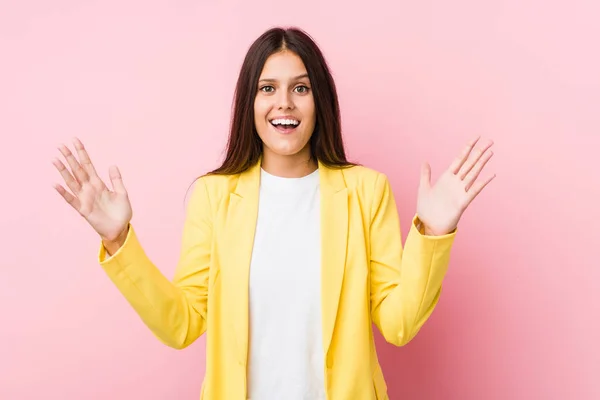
440,207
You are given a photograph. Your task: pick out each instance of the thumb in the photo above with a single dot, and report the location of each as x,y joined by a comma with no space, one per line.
425,181
116,180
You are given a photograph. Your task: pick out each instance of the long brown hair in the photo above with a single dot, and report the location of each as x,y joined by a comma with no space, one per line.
244,146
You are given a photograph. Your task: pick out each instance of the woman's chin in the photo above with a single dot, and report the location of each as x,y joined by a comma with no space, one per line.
286,149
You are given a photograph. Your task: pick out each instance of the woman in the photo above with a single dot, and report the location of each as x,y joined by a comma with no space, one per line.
289,251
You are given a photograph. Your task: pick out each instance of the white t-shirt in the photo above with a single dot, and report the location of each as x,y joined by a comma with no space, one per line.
286,351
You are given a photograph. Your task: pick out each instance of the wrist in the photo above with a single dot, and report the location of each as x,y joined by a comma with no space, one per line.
113,245
427,231
430,232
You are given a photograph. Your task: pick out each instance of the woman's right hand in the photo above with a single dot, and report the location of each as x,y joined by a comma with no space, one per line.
107,211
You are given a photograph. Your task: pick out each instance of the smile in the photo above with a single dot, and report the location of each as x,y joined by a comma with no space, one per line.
284,122
285,125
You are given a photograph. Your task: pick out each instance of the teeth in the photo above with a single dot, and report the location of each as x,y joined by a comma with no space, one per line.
285,122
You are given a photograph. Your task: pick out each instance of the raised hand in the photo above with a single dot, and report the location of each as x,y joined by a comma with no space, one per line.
440,207
108,212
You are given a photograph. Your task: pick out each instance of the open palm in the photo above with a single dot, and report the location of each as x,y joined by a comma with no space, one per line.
441,206
108,212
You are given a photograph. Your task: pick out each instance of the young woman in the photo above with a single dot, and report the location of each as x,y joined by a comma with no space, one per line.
289,251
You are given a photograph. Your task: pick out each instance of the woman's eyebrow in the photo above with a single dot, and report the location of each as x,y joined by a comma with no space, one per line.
275,80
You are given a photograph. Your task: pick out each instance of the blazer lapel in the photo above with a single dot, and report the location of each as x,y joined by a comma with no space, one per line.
334,239
240,227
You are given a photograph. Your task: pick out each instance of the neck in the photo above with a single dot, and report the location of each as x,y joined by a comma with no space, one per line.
292,166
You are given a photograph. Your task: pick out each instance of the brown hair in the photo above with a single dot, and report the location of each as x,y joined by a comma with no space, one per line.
244,146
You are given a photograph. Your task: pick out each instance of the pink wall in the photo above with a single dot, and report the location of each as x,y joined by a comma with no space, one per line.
148,84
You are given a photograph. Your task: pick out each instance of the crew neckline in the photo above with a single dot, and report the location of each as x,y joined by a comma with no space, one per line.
279,182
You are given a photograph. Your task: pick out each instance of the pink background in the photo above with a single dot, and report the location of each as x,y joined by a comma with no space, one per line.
148,84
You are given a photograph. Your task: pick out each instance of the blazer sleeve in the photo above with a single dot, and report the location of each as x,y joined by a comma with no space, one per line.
405,283
175,311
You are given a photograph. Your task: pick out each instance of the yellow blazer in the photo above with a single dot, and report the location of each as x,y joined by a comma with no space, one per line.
367,276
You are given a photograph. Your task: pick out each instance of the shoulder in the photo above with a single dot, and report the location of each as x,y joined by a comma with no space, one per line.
206,193
364,179
370,186
210,189
216,185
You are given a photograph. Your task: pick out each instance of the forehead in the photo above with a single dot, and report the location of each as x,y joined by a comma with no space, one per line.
283,65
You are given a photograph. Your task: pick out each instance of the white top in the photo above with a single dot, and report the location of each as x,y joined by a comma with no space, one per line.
286,351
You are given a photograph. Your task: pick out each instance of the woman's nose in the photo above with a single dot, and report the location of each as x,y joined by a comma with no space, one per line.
284,100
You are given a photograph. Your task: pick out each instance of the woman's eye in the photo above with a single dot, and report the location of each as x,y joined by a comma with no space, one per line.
267,89
302,89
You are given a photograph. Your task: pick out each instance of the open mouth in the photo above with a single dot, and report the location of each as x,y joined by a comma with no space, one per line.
285,125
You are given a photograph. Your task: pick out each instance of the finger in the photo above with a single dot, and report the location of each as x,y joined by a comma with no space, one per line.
463,156
116,180
69,198
84,158
425,181
67,177
473,159
474,173
78,171
87,164
479,186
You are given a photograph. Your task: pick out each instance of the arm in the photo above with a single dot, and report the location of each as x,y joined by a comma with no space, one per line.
405,283
175,311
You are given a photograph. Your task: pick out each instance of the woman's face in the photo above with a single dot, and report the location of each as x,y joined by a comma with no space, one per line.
284,108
